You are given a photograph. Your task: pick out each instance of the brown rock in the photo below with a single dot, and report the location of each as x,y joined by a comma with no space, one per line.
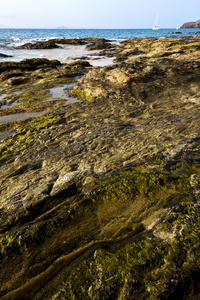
100,199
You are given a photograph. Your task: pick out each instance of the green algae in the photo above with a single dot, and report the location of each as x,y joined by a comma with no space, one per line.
30,99
122,264
141,270
26,132
113,255
81,95
5,242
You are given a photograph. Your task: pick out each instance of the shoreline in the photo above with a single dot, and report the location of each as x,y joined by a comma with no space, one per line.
112,180
98,60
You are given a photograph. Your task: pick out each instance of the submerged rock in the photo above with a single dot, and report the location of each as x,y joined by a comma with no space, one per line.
4,55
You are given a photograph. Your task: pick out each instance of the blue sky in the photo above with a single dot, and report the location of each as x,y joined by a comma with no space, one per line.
97,13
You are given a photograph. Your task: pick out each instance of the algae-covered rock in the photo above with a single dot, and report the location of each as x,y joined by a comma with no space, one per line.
100,198
28,64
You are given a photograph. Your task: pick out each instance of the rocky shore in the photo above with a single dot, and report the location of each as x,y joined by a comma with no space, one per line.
100,199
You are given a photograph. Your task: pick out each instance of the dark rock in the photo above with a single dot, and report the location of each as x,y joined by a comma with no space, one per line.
36,63
96,40
18,80
4,55
39,45
99,45
52,44
29,64
11,73
82,58
70,41
80,63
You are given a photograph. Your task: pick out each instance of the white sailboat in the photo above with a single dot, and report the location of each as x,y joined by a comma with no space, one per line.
156,27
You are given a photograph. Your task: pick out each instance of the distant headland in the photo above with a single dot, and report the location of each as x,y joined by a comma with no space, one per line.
62,27
191,24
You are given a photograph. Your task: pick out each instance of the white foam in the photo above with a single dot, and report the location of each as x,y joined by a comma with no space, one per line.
65,54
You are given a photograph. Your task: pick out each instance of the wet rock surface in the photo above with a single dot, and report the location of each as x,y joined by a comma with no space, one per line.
28,64
25,85
39,45
100,199
4,55
100,45
52,44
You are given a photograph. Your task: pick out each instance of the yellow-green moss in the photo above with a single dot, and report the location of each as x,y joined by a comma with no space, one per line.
82,95
26,132
142,269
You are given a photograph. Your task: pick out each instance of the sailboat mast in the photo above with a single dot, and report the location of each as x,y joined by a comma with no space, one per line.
156,27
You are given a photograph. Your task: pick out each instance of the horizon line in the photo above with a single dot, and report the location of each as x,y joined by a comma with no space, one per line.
57,28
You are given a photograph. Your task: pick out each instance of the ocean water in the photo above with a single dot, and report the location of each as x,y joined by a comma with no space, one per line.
18,36
11,38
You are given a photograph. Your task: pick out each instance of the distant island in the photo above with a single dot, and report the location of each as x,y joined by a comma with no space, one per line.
62,27
191,24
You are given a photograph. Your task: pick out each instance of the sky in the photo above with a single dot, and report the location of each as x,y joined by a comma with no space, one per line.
97,13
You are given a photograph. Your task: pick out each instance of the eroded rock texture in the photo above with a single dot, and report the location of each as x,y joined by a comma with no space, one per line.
100,198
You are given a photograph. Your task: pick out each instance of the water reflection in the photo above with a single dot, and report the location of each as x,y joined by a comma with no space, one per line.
19,116
62,92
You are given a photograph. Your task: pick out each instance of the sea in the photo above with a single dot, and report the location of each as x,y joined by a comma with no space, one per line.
10,39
